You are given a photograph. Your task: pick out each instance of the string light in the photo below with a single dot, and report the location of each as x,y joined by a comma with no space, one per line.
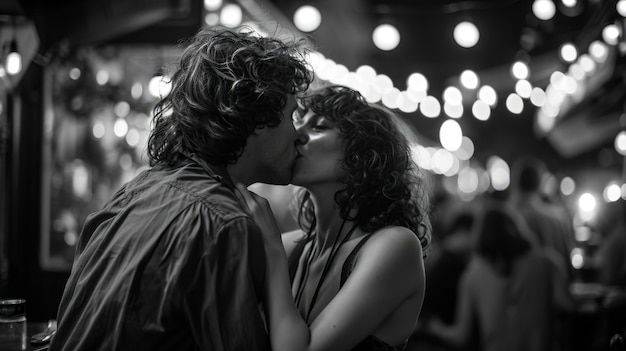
307,18
567,186
466,34
544,9
212,5
417,82
14,59
538,97
621,7
569,3
620,143
481,110
523,88
231,15
386,37
612,192
453,95
488,94
450,135
469,79
568,52
587,202
452,110
610,34
514,103
430,107
519,70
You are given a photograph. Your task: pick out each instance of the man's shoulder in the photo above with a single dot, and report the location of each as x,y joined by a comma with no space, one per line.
192,185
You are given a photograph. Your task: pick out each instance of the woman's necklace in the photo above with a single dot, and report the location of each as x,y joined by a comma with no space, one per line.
333,252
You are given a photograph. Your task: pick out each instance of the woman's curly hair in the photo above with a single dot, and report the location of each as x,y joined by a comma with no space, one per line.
383,185
228,83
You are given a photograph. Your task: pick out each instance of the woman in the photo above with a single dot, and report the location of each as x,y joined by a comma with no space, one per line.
357,262
511,292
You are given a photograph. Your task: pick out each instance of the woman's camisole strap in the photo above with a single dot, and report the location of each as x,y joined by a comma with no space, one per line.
294,259
348,265
371,342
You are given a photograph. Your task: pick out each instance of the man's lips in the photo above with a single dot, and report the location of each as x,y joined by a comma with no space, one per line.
295,161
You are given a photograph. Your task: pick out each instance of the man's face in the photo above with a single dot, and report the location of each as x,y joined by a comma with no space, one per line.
273,150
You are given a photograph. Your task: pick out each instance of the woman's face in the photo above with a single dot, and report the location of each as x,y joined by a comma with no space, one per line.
320,150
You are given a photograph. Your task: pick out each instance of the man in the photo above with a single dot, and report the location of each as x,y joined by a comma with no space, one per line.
173,261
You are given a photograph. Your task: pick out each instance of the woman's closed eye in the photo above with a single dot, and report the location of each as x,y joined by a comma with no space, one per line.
321,127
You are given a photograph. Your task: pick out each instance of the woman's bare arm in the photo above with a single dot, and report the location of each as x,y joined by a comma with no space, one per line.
388,272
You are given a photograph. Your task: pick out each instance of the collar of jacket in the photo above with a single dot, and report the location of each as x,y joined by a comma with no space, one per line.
219,172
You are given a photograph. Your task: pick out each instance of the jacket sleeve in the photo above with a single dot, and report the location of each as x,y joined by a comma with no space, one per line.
224,286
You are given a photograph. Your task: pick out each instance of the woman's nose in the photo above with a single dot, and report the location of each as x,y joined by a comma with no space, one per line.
301,135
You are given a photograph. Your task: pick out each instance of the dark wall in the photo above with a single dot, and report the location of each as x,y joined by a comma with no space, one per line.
95,22
25,277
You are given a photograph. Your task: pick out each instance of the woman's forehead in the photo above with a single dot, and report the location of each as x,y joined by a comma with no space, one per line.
307,116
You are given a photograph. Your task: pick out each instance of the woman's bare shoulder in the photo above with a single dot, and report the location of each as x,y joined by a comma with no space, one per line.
394,245
395,237
391,257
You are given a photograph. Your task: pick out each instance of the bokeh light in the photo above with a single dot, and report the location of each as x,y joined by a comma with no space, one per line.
386,37
544,9
466,34
307,18
450,135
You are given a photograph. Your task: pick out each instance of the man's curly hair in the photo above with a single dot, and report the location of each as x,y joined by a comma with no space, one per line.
383,185
228,83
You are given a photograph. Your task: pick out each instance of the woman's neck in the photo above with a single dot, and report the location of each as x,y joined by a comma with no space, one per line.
328,220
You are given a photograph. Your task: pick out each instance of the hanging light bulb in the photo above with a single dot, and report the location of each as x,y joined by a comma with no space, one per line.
544,9
14,59
621,7
466,34
307,18
386,37
620,143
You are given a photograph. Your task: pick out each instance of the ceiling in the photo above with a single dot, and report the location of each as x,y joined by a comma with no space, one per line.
509,31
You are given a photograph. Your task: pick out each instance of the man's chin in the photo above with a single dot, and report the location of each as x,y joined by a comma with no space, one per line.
278,179
281,182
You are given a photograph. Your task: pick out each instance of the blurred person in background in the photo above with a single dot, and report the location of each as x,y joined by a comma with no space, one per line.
511,292
609,261
610,257
173,261
451,252
357,262
548,221
445,266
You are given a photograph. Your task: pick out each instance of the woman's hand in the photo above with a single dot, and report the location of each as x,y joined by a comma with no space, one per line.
280,310
262,214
